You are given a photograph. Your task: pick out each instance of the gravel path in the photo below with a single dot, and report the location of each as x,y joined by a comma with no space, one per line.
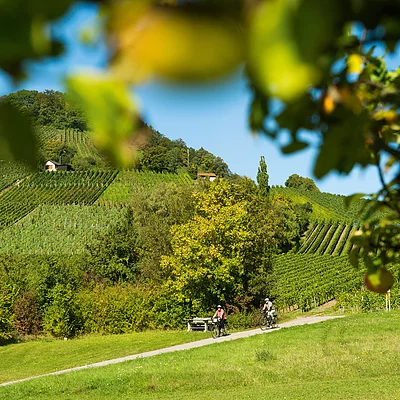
185,346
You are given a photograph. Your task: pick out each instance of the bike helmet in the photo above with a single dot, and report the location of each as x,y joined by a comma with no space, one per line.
267,299
219,306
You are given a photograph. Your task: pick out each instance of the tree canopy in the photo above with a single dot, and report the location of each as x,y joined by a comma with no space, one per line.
298,182
263,177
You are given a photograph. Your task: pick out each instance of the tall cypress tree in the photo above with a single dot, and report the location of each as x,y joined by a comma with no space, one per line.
263,177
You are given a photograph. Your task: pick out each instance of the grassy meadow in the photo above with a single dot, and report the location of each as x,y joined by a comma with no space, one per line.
356,357
32,358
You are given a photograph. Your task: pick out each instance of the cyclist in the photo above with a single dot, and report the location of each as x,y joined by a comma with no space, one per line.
221,316
269,308
268,305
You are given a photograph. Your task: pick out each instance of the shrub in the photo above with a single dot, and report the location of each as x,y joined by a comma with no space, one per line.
116,309
8,294
243,320
27,318
62,317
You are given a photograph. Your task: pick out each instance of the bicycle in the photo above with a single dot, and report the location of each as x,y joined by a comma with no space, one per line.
217,330
267,320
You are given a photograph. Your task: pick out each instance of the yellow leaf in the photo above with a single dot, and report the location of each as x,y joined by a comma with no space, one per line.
355,64
328,104
177,46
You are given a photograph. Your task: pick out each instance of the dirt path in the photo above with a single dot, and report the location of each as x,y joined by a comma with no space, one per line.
185,346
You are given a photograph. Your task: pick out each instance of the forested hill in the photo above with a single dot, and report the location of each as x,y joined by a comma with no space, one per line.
63,133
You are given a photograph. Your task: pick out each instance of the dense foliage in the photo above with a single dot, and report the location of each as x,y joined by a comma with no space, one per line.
48,108
160,154
223,253
298,182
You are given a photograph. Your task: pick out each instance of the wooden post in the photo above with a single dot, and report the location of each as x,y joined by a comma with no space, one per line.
388,301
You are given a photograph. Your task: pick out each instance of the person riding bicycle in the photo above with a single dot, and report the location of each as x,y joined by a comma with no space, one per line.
221,316
269,308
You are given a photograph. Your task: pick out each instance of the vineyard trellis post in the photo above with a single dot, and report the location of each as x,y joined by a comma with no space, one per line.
388,301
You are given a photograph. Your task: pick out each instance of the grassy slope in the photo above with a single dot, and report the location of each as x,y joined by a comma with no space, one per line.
38,357
319,212
351,358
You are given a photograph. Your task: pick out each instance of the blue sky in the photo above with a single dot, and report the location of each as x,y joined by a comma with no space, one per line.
213,116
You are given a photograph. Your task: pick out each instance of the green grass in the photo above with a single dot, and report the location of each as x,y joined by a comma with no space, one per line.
351,358
320,212
22,360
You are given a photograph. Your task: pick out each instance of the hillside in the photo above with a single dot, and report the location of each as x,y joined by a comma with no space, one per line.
102,248
129,182
327,238
70,146
328,206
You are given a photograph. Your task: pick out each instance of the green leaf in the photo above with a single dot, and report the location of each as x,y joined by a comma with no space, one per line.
353,198
111,113
17,140
24,31
177,43
344,145
274,59
294,146
353,257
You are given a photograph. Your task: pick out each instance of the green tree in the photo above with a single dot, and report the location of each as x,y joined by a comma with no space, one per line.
209,256
114,256
58,151
298,182
155,212
155,159
8,295
223,254
263,177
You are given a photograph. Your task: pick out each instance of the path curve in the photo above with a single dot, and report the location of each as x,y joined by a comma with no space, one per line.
185,346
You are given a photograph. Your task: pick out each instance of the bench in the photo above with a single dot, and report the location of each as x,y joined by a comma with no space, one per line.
199,324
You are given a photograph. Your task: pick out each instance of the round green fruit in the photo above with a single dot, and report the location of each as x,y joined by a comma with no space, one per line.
380,281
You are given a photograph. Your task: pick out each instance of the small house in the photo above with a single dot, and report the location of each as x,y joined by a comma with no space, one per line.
206,175
55,166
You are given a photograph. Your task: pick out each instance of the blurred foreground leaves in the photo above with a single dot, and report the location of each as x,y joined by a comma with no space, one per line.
111,113
319,58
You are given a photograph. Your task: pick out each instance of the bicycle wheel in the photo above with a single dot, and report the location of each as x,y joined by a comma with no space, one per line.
226,329
263,322
215,331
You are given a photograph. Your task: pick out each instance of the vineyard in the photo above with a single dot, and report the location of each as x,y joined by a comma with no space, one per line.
78,140
58,229
325,238
130,181
307,281
12,172
59,187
